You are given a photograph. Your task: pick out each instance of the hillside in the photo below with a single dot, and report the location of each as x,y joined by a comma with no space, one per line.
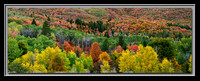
99,40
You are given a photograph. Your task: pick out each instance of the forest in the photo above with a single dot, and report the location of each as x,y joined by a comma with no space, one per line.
99,40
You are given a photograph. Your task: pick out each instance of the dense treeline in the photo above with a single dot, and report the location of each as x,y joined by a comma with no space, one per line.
79,53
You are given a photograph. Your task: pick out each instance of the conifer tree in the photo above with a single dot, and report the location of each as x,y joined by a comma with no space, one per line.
46,28
33,22
105,45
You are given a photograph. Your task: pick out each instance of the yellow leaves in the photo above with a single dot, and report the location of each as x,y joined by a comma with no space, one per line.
190,64
105,68
145,60
166,66
126,61
78,67
40,68
104,56
25,65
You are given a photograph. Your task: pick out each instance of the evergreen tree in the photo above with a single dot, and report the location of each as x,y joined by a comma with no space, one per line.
109,19
46,28
105,45
78,21
33,22
121,42
106,34
67,19
48,19
71,21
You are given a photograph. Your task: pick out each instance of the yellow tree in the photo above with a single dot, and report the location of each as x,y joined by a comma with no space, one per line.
104,56
190,64
105,68
28,61
166,66
144,61
45,57
126,61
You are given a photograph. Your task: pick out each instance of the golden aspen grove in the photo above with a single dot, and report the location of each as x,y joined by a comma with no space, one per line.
99,40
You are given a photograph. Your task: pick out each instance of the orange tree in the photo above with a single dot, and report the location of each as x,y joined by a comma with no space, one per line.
95,51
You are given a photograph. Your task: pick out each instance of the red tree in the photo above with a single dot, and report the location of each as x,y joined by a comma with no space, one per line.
133,48
119,49
67,47
95,51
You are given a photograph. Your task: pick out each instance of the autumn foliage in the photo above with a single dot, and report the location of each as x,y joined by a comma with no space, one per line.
67,47
95,51
100,40
134,48
119,49
56,64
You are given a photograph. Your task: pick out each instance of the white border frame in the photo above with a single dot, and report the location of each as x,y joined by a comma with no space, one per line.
6,6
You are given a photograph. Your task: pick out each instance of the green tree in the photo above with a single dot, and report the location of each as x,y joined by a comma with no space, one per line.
33,22
121,42
105,45
16,67
13,49
48,19
72,57
71,21
78,21
23,47
163,48
78,67
46,28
